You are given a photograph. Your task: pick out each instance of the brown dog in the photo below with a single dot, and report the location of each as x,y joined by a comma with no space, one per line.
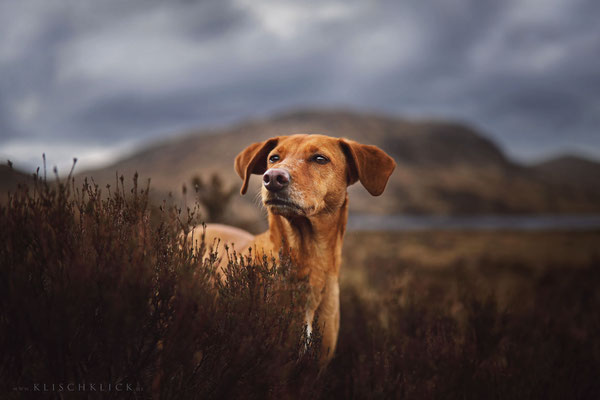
304,190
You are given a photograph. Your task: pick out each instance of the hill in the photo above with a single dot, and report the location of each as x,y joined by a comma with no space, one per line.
570,170
443,167
10,178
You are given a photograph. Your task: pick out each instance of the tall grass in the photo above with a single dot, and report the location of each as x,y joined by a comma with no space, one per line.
94,290
102,288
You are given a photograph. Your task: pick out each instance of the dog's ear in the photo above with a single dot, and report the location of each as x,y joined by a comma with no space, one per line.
369,164
253,160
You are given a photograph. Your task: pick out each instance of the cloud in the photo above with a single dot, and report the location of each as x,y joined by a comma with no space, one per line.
288,19
109,75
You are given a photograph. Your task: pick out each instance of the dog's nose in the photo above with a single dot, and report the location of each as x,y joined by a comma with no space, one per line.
276,179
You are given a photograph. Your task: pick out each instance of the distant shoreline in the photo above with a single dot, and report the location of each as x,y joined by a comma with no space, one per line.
544,222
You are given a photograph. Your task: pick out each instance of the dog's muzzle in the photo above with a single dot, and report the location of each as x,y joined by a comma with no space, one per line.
276,179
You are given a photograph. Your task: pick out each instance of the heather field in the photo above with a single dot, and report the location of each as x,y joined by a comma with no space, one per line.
102,289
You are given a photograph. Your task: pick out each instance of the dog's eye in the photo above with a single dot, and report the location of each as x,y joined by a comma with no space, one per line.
320,159
274,158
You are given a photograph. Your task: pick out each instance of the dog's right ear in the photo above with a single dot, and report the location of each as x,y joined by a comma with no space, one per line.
253,160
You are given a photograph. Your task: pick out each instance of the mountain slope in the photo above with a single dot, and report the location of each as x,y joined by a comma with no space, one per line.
570,170
10,178
443,168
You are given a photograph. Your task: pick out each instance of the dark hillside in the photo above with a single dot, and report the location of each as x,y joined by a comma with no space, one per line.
443,167
570,170
10,179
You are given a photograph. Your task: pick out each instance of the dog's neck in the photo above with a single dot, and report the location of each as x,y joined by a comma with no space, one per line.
300,236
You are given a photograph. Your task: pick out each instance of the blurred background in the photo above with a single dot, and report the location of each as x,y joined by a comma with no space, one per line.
488,107
480,260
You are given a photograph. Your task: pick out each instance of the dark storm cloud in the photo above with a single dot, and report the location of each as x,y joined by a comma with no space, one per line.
103,75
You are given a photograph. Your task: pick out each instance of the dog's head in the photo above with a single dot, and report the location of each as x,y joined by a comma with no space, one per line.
304,175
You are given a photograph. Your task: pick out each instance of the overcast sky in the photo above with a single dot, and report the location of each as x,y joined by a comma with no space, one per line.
94,79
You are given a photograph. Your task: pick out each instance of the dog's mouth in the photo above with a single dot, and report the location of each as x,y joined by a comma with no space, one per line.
283,204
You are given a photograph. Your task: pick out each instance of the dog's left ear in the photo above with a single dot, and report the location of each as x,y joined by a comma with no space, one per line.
253,160
369,164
